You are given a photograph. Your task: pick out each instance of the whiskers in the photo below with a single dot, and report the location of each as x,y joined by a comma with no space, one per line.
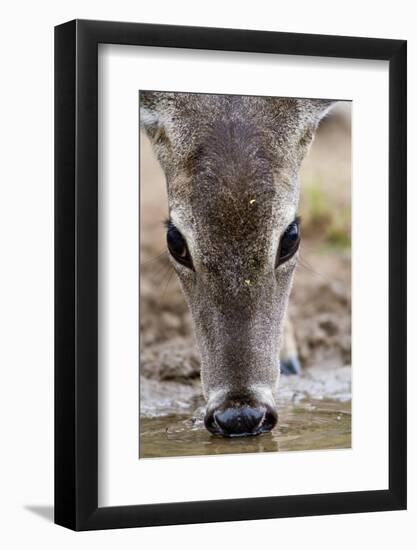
155,258
170,273
159,271
302,262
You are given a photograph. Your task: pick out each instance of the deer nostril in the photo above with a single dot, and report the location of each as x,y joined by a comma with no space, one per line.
270,420
242,421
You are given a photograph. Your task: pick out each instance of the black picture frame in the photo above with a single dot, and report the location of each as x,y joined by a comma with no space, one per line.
76,272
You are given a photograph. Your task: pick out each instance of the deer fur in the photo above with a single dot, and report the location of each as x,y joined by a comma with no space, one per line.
232,173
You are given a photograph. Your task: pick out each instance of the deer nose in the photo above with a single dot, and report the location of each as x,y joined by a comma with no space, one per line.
241,421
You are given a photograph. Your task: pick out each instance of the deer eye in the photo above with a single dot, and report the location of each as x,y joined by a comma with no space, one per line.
290,241
177,246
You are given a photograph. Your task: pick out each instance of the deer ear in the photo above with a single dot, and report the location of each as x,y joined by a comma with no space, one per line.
155,109
150,117
317,109
310,113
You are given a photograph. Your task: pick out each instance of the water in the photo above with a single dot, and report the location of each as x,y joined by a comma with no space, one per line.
314,413
307,426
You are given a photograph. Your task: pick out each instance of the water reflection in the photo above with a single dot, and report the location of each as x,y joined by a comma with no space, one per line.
320,424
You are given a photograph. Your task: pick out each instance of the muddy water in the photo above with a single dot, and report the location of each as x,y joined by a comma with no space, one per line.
314,413
307,426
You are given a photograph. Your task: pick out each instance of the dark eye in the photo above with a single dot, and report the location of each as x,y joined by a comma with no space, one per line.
289,244
177,246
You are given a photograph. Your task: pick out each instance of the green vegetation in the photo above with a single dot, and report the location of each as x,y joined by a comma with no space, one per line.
324,217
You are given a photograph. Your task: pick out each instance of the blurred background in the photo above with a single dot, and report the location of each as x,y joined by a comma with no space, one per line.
319,304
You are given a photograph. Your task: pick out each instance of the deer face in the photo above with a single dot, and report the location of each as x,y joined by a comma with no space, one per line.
231,165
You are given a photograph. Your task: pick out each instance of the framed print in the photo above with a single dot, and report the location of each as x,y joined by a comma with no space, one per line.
230,254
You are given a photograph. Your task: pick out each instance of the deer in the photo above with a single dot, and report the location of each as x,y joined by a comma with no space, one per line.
231,165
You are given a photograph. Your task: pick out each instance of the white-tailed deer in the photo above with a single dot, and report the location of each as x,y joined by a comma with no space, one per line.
231,165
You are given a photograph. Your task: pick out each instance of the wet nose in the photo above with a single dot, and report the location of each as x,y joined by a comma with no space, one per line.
241,421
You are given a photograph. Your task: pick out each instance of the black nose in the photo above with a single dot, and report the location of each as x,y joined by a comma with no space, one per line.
241,421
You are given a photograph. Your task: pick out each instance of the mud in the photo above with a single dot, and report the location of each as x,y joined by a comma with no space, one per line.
314,413
308,426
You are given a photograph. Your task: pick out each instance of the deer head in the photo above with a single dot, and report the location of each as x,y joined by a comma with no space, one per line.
231,165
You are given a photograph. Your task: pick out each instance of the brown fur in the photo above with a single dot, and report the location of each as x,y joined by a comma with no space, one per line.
231,164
